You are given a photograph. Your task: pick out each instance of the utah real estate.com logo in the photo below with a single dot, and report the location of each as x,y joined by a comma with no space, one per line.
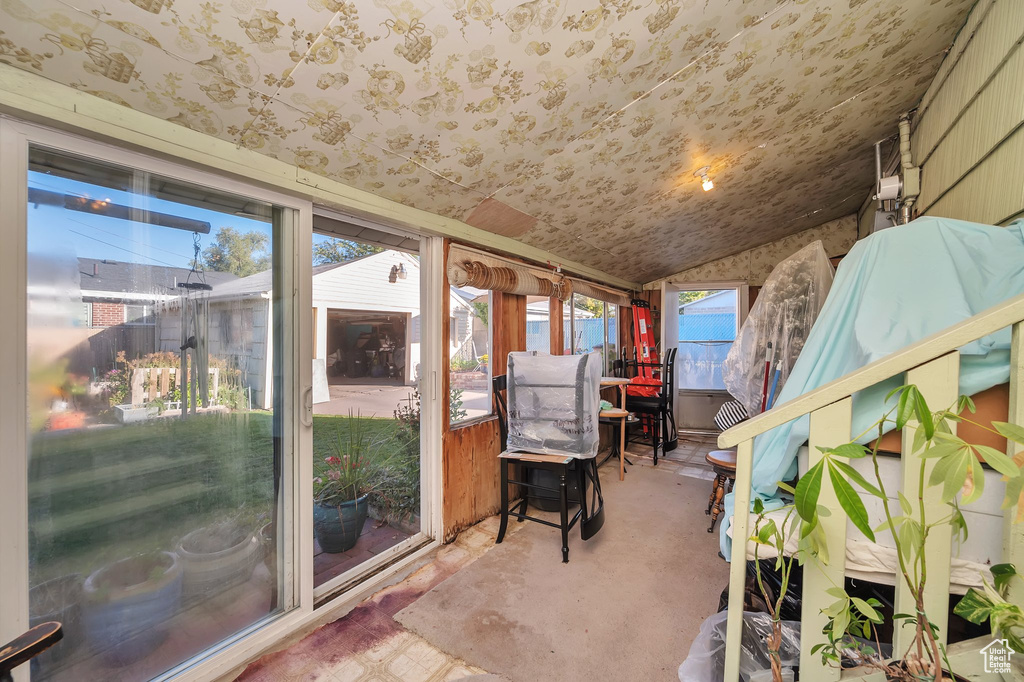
997,656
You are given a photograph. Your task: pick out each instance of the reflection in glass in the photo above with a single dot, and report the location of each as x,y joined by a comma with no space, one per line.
153,422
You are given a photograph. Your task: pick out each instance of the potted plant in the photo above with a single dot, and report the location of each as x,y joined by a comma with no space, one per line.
127,605
852,622
216,558
341,488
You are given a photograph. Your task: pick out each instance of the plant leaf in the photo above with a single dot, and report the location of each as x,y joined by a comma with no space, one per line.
998,461
866,609
1011,431
765,535
856,477
782,485
850,501
851,450
807,492
924,415
965,403
974,607
955,473
905,407
758,506
940,450
904,503
1002,574
975,482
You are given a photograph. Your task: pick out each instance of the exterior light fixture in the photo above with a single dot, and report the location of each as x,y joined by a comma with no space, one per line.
397,272
705,181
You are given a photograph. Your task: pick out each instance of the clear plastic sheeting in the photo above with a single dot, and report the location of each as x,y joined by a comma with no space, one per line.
553,403
706,660
777,327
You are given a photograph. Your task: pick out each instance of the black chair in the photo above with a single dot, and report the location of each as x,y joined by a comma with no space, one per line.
28,646
657,412
566,468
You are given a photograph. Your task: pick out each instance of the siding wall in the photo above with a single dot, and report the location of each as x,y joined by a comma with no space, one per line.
969,135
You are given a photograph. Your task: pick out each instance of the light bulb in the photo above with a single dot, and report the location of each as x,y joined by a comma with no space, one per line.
707,184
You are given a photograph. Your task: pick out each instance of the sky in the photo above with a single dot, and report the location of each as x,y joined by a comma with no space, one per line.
56,231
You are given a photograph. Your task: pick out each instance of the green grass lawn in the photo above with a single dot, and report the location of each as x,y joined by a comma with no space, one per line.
102,494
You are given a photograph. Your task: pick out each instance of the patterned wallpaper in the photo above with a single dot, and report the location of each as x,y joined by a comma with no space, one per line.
754,265
588,115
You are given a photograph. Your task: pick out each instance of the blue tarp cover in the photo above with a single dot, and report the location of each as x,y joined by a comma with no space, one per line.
894,288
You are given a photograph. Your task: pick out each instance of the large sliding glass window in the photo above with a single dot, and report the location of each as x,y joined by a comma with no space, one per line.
367,403
154,394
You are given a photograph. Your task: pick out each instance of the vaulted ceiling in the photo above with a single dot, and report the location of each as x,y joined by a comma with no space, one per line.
571,125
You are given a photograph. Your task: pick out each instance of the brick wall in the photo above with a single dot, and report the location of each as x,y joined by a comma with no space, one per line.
107,314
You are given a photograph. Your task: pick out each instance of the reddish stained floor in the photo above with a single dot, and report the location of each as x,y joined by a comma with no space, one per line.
367,643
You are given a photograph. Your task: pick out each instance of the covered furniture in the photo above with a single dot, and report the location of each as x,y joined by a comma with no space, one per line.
547,408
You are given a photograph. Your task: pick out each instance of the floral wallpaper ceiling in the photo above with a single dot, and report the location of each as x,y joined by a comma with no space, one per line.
587,117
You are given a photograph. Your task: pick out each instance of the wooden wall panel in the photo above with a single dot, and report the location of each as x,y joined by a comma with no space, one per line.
557,326
469,453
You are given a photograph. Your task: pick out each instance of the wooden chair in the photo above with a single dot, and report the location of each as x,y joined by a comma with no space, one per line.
724,464
565,467
28,646
657,412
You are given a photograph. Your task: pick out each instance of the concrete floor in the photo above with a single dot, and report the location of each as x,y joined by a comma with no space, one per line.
626,606
381,397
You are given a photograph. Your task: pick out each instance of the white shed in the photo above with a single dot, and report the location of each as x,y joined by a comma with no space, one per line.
366,321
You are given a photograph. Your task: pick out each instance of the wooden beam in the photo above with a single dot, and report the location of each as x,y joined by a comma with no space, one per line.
557,326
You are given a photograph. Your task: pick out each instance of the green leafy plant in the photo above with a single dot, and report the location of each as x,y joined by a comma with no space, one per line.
353,470
957,470
989,605
768,533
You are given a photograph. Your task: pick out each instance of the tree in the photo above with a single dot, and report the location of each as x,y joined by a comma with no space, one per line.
691,296
340,251
591,305
480,310
240,253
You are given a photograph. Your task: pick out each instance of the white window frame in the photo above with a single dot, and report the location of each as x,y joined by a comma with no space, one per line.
295,261
670,316
609,359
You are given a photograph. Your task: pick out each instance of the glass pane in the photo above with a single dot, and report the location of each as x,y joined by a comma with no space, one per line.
538,324
153,427
707,328
469,354
567,335
588,325
366,404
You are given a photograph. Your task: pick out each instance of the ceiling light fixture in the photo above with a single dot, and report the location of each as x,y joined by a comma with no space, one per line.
705,181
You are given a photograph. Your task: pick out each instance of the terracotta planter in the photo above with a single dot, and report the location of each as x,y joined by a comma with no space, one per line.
337,528
216,558
128,605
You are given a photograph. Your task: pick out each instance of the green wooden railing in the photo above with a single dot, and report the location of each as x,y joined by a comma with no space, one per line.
933,365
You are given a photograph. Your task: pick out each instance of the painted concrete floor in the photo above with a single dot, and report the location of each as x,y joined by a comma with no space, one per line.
369,645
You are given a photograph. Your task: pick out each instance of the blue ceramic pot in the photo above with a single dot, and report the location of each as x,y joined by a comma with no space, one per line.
337,528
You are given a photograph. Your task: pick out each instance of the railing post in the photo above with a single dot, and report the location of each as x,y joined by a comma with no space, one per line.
738,567
1013,533
939,383
830,426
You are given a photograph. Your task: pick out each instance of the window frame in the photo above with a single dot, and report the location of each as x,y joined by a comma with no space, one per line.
295,262
670,317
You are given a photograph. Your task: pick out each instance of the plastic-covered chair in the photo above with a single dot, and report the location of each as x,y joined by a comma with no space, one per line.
559,446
